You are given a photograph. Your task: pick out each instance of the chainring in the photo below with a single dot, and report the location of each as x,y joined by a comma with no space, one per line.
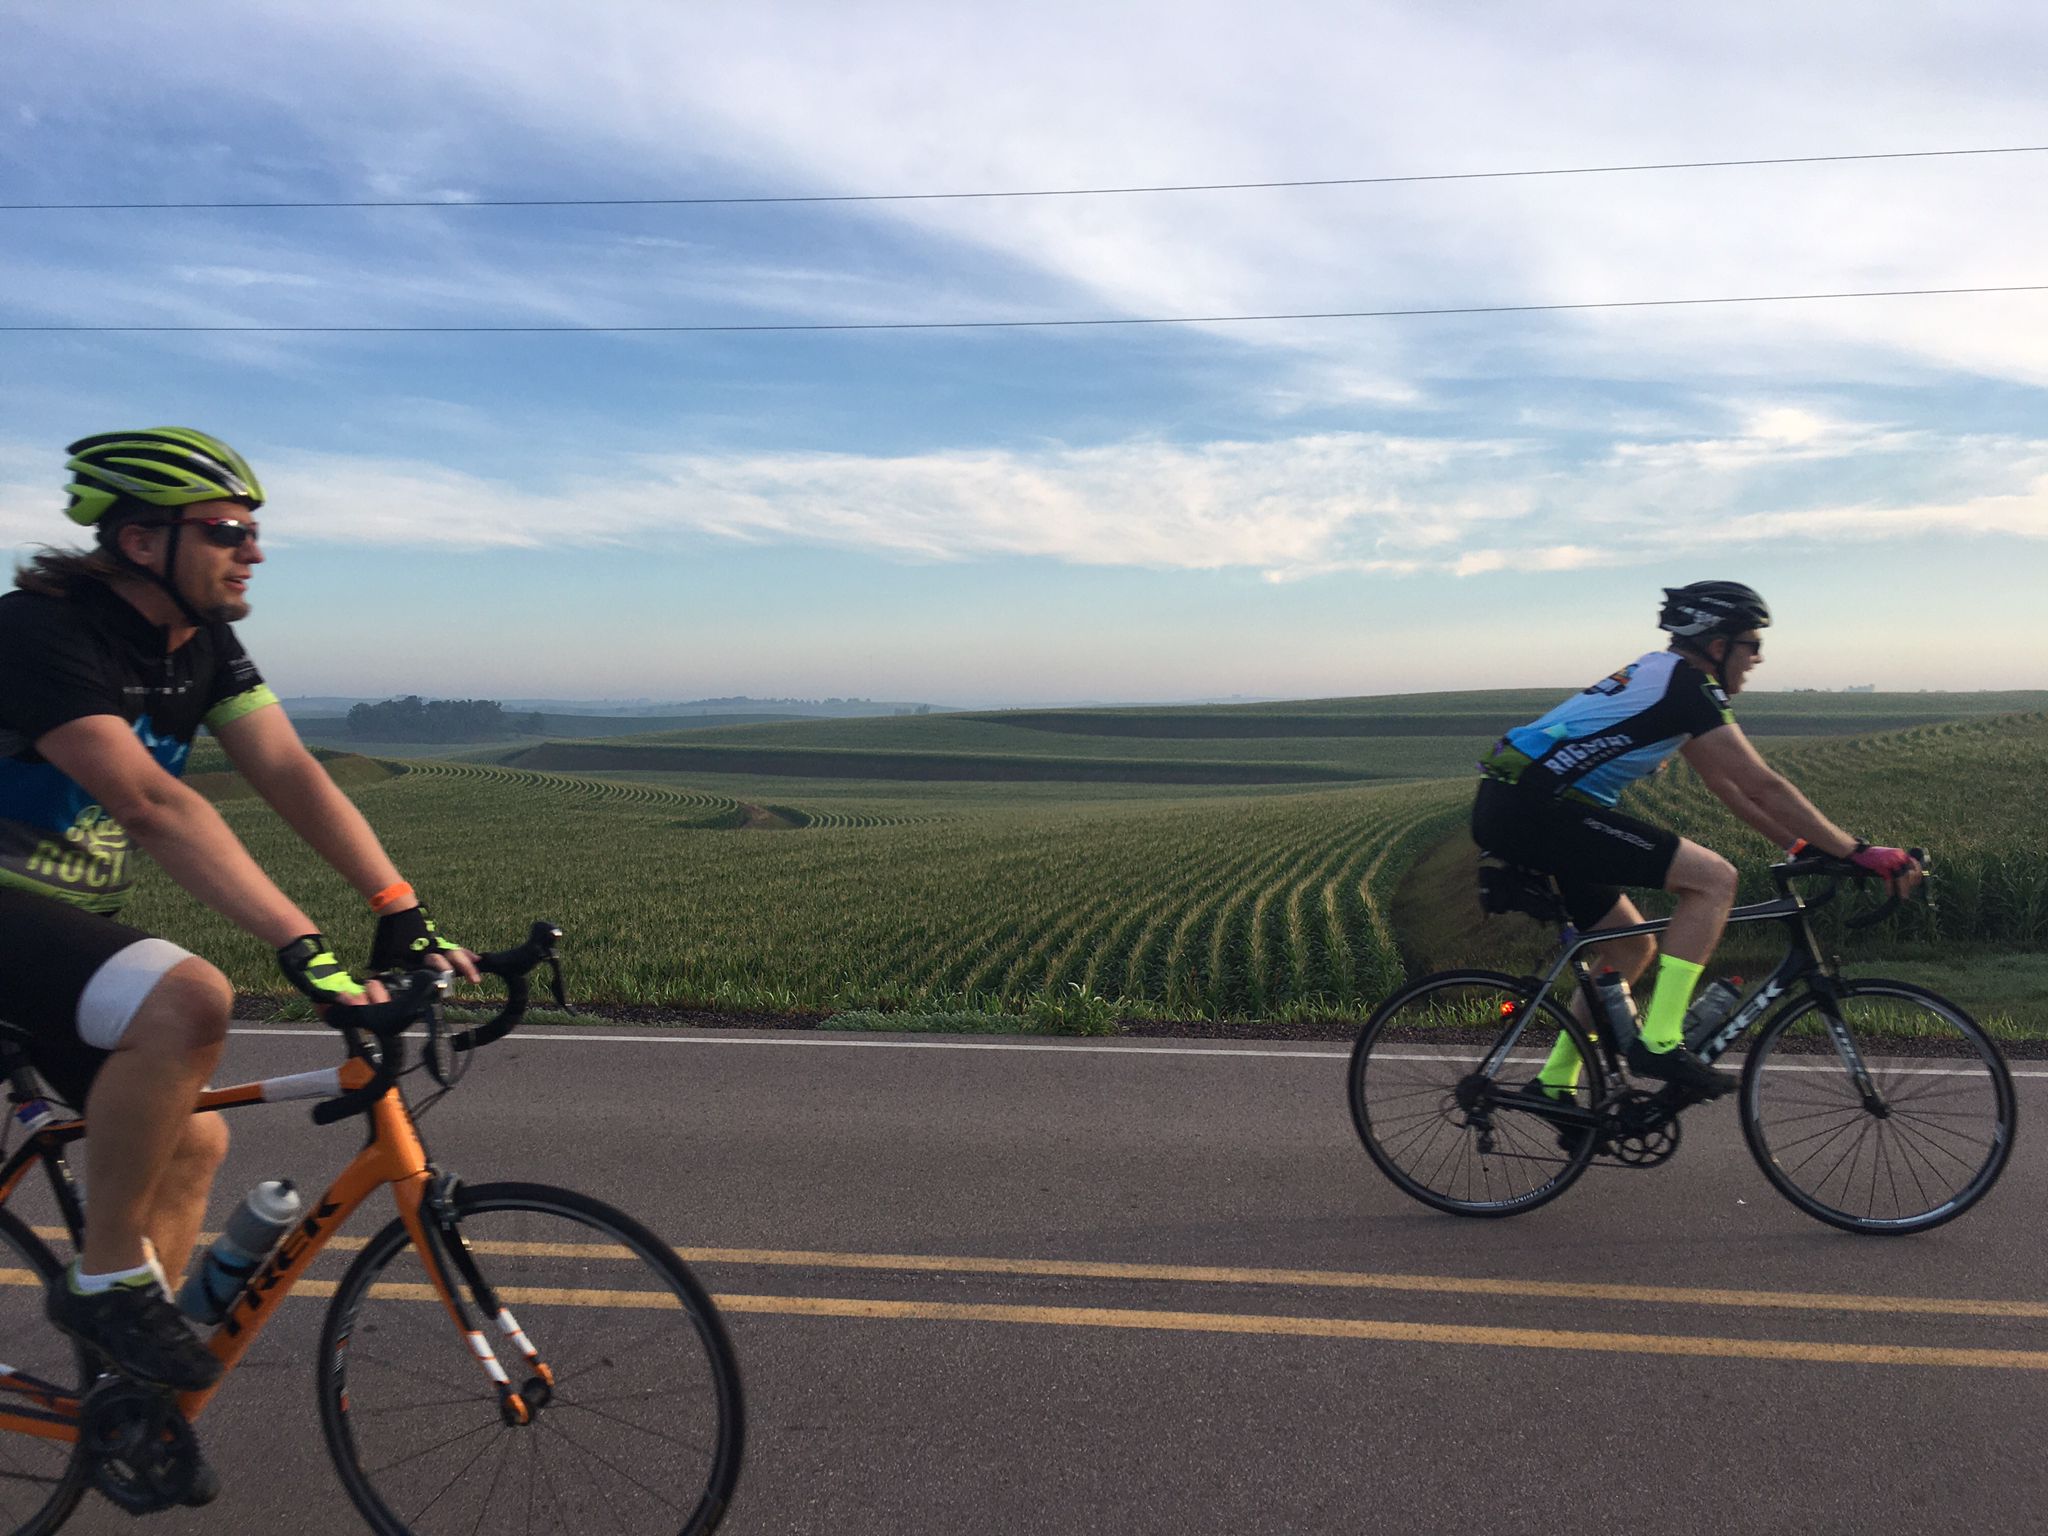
144,1455
1638,1130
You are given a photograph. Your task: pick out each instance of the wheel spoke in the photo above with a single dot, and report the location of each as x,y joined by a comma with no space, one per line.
658,1434
1928,1146
1470,1149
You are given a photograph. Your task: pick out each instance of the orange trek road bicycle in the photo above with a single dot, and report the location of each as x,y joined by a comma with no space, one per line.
610,1403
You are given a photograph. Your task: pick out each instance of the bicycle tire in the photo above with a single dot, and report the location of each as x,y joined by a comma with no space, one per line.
29,1342
1407,1110
386,1338
1818,1143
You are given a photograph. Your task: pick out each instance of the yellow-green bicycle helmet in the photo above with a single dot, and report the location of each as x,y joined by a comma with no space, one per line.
157,466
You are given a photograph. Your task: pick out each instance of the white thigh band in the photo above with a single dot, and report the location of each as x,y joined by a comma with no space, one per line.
117,989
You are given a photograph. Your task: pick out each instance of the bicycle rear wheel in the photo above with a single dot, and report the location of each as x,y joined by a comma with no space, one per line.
1437,1126
640,1431
1928,1144
41,1480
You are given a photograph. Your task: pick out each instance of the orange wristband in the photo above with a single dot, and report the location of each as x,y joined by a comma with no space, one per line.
390,896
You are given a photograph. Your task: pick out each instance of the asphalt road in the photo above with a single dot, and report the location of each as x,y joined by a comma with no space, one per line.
1143,1286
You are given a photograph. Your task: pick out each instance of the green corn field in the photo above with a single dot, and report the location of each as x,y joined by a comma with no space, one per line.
1068,902
1218,907
1971,792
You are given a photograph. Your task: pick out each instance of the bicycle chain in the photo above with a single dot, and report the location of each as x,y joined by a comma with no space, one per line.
145,1457
1638,1130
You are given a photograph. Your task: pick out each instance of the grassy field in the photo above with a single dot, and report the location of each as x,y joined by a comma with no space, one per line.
1074,902
1212,907
334,731
1406,736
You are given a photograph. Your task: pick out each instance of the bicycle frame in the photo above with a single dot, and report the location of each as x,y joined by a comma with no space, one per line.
393,1155
1803,964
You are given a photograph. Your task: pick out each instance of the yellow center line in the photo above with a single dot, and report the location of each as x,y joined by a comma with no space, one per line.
1809,1301
1325,1279
1405,1333
1371,1329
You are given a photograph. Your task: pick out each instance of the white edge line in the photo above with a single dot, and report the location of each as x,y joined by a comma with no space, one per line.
1045,1046
829,1038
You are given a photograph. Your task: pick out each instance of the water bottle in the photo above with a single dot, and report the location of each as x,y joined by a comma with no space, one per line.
258,1225
1613,1002
1710,1010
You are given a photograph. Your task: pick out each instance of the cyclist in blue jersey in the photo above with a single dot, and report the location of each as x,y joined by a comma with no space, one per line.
113,659
1547,802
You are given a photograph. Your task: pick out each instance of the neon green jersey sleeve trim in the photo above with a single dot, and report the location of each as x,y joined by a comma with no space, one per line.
227,711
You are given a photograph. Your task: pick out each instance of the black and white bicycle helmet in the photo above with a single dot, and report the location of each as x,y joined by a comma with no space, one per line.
1708,608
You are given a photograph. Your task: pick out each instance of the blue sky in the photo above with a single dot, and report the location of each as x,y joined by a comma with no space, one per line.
1285,509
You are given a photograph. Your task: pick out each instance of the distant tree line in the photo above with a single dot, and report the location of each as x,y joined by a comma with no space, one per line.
413,718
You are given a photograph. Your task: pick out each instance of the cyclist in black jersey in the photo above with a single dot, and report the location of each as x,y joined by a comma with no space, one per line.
110,661
1547,802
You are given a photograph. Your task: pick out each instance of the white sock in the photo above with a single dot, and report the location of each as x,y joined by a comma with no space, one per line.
91,1285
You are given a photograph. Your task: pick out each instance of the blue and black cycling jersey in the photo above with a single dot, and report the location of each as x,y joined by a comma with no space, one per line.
93,653
1597,743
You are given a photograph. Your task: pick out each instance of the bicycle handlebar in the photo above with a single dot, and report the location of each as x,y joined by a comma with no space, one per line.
1838,870
417,995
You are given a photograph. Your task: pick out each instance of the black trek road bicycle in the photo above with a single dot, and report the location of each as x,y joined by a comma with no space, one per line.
1875,1106
609,1401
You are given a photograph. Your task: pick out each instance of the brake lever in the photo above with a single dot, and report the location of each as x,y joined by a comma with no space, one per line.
1895,897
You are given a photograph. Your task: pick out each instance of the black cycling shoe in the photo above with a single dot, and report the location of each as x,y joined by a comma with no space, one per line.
1540,1100
138,1330
1680,1068
205,1484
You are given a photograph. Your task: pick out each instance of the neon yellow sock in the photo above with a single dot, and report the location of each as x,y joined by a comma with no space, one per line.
1665,1024
1562,1070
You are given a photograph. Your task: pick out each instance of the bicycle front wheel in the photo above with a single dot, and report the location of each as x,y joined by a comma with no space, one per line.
1923,1146
41,1479
1442,1129
639,1430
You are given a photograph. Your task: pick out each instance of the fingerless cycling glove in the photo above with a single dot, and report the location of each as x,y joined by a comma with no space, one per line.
405,939
308,963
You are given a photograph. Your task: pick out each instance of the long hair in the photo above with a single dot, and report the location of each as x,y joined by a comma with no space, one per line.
52,572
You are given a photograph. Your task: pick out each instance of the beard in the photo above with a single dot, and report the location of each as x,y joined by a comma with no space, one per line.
231,610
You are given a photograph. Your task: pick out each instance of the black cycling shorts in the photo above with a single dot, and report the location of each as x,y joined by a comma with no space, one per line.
1591,851
50,952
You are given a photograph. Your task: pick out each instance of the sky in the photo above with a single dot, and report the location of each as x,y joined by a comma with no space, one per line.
1277,509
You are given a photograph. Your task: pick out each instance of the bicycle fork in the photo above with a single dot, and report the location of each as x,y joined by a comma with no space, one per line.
437,1234
1874,1102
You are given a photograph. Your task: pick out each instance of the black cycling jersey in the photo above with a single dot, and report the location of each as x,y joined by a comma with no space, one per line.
93,653
1596,743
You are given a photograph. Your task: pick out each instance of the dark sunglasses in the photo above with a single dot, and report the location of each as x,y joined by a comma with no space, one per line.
1754,647
222,532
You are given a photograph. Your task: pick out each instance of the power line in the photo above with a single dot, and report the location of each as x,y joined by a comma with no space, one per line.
1018,325
927,197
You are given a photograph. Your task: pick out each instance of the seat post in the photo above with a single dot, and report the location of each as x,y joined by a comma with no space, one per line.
14,1062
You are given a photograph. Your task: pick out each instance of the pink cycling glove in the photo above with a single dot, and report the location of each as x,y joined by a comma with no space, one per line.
1888,862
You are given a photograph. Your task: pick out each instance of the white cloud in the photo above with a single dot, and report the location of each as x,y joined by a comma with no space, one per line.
1334,503
2023,514
243,277
907,97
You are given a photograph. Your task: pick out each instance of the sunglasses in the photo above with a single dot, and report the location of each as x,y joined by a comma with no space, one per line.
1754,647
221,532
